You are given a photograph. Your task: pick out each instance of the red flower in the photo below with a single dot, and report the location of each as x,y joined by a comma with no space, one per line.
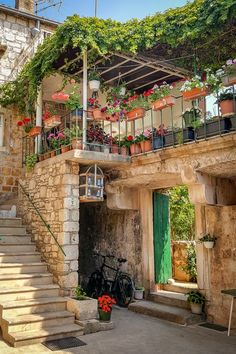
20,123
130,138
26,120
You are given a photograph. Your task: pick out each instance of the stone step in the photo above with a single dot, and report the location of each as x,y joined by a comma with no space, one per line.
12,230
169,298
14,248
36,305
20,257
8,221
165,312
15,239
30,337
28,292
180,287
32,322
21,268
19,280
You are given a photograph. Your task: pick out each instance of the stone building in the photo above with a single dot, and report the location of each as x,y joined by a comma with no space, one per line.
123,223
20,34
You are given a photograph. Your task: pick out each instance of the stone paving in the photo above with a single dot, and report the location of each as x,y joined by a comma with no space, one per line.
140,334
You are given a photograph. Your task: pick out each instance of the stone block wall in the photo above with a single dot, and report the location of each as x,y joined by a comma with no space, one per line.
109,231
10,155
53,185
221,221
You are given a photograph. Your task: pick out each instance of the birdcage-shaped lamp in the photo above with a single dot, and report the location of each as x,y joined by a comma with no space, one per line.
91,184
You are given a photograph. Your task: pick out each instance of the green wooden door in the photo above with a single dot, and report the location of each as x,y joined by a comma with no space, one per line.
161,237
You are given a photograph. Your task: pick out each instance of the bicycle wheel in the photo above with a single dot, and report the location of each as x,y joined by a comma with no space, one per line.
124,290
95,285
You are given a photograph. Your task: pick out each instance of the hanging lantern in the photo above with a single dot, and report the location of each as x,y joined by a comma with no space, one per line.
91,185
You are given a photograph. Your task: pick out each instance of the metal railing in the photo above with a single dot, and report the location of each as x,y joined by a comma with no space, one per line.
174,136
48,227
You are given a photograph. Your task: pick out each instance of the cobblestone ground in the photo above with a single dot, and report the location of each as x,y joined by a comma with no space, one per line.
140,334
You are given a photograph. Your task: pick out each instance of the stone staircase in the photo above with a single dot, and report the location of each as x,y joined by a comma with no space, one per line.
31,310
169,304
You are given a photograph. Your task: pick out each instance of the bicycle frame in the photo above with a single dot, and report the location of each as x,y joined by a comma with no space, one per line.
112,283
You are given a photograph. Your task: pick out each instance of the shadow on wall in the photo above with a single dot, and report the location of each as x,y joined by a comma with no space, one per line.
109,232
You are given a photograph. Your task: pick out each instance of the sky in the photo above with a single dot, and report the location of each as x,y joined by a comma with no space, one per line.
120,10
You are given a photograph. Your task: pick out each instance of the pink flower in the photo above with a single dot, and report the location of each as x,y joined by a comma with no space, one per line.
60,135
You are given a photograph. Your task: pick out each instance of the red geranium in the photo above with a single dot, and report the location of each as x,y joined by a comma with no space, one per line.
26,124
20,123
130,138
105,303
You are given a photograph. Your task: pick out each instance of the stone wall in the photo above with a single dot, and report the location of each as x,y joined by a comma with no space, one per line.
109,231
220,221
10,155
53,185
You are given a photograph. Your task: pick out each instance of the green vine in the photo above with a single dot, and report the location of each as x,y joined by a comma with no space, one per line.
195,27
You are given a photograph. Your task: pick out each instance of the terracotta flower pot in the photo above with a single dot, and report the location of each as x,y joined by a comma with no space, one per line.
194,93
65,148
124,151
46,155
113,118
98,115
90,113
135,149
135,114
160,104
53,153
104,316
114,149
227,108
52,121
146,145
77,144
41,157
34,131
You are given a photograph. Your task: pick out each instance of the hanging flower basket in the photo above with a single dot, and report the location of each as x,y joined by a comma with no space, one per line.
60,96
52,121
194,93
209,244
135,114
113,118
35,131
94,85
160,104
98,115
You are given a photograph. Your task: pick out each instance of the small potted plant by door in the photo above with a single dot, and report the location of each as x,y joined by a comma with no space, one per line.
208,240
139,292
84,307
105,303
136,107
94,80
196,300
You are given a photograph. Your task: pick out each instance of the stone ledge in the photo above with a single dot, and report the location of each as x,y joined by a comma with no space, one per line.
93,326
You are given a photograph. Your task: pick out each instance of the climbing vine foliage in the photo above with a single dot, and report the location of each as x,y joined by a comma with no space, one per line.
193,24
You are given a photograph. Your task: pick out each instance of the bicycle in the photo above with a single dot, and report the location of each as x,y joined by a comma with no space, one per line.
121,286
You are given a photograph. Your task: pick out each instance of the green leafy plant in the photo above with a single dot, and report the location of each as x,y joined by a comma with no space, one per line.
225,96
80,294
73,132
182,216
208,238
195,297
30,161
137,101
192,117
191,264
94,75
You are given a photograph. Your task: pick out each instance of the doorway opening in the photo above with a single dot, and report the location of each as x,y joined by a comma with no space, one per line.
174,240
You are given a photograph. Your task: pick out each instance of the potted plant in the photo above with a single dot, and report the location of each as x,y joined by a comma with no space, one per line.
145,140
26,124
117,92
50,117
227,104
136,107
30,162
196,300
229,73
191,117
125,144
159,136
94,80
93,104
208,240
160,96
84,307
95,137
54,144
193,88
64,142
73,103
134,146
74,135
138,292
105,303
